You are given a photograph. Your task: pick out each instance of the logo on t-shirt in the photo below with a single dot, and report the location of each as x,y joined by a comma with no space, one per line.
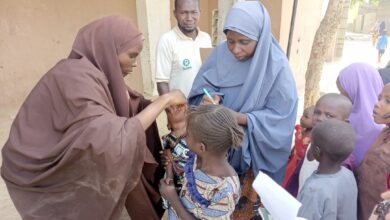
186,64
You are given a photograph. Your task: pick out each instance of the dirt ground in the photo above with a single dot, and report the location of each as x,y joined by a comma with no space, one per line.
358,48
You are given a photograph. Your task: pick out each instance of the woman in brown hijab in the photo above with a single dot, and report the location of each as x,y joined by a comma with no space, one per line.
83,145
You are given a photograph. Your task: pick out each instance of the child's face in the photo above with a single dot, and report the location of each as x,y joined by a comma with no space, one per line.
192,144
381,111
326,109
307,118
177,117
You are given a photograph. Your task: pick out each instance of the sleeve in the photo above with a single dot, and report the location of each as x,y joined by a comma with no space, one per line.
111,139
316,205
208,43
270,129
164,60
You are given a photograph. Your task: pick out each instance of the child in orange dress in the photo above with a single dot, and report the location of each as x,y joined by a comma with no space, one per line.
302,139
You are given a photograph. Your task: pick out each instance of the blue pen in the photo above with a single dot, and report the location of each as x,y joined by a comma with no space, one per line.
208,95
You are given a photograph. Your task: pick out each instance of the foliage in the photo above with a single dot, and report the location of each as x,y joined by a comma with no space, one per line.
372,2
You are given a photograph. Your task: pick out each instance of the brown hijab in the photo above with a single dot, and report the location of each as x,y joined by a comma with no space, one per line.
72,152
101,42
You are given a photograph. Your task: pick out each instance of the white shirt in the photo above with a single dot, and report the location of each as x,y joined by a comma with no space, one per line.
308,167
178,58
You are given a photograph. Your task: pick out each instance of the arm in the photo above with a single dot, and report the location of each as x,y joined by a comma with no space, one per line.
164,61
270,127
241,118
162,88
150,113
169,193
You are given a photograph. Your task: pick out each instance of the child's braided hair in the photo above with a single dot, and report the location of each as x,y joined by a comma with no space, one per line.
214,126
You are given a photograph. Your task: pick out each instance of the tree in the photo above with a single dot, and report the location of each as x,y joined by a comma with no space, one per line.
321,44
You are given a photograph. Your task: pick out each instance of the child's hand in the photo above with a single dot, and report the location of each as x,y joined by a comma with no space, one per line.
168,174
167,191
165,157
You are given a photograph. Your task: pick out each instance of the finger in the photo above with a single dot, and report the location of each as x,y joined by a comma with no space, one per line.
385,195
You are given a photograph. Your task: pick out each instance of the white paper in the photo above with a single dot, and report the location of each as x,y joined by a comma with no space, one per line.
279,203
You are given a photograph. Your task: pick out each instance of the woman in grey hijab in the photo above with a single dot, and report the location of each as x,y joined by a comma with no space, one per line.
249,73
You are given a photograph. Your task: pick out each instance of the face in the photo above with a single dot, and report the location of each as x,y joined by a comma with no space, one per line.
325,110
381,112
240,46
307,118
192,144
128,59
187,15
341,89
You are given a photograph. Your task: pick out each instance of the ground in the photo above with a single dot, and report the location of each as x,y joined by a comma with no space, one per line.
358,48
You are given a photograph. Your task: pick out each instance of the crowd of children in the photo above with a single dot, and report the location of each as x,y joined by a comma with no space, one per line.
322,171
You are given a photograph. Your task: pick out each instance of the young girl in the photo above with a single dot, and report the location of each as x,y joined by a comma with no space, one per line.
302,139
175,147
373,174
361,83
211,186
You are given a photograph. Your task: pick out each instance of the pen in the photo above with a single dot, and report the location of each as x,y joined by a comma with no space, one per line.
208,95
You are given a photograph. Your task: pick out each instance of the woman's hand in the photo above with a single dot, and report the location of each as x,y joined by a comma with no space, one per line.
150,113
175,97
240,117
207,101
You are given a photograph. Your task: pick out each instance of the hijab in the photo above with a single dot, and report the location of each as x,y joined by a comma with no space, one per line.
72,150
101,42
363,84
262,87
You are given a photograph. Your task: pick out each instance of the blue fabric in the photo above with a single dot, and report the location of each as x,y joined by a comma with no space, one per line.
262,87
382,42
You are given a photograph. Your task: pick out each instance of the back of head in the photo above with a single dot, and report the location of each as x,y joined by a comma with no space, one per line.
335,138
339,103
214,126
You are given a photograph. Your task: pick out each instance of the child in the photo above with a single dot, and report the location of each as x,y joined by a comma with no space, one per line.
381,45
331,191
211,186
330,105
302,138
362,84
373,174
175,147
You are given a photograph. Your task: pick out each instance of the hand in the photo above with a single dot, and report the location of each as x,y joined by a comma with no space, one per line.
207,101
165,157
167,191
386,195
176,97
168,174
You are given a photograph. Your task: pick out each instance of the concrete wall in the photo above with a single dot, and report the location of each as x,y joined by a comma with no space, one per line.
36,34
366,18
280,12
383,13
306,24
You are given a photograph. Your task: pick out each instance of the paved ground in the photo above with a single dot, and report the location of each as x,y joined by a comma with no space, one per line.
358,48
